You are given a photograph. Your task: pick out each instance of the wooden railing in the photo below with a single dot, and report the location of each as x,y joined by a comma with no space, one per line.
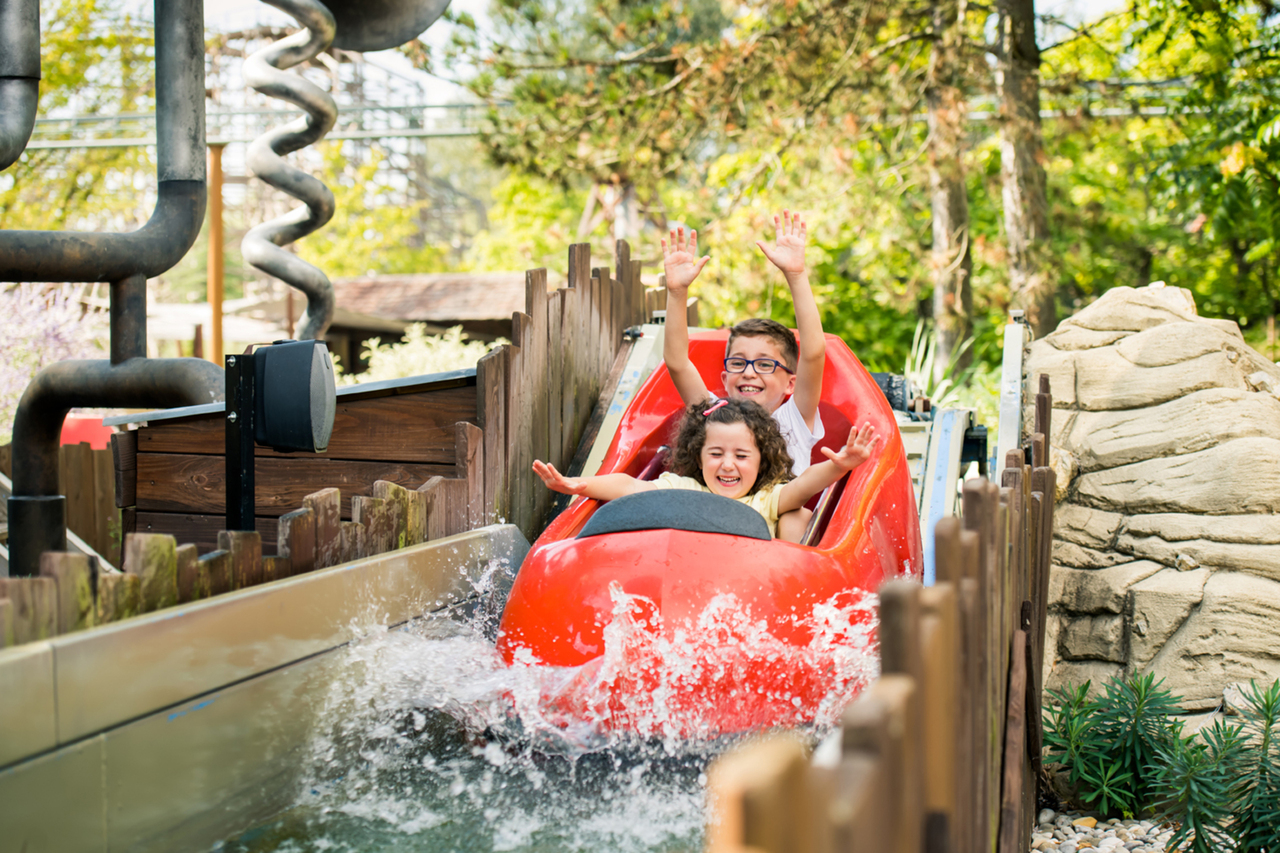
942,751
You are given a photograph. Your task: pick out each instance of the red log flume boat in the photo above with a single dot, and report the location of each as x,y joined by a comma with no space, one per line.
677,616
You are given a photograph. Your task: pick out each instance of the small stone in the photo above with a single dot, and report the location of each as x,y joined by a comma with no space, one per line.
1046,816
1185,563
1110,843
1087,822
1068,847
1132,845
1044,844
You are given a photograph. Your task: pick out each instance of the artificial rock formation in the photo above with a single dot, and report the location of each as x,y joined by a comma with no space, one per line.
1166,443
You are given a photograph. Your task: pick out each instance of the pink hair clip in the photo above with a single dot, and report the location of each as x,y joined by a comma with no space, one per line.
716,406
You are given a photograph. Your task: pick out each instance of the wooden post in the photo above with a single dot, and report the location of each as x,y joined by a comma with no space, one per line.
470,465
8,624
1013,838
75,576
215,282
765,802
377,521
396,499
900,655
245,548
940,660
188,566
326,505
353,540
296,540
118,596
153,558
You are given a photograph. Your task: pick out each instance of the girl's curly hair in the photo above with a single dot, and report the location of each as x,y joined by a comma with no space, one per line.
691,435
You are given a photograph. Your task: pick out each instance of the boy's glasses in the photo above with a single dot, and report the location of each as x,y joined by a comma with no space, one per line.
762,366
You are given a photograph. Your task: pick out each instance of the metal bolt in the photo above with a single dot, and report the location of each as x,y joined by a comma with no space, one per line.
231,361
232,417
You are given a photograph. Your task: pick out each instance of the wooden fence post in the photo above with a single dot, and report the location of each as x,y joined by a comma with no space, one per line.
296,539
75,579
153,558
326,504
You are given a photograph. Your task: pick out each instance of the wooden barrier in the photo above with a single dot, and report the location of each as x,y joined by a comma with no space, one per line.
87,479
941,752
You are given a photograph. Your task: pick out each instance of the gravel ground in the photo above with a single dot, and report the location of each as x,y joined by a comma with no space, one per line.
1070,832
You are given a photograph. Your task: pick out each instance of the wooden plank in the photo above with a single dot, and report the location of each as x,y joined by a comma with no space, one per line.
296,540
196,484
519,420
325,506
354,541
245,548
1013,838
416,427
214,572
78,471
396,499
199,530
536,357
275,568
762,794
454,495
569,360
491,375
900,618
6,460
74,577
940,650
124,455
434,509
598,413
378,524
118,596
471,471
875,724
8,620
35,606
153,558
188,571
106,516
554,378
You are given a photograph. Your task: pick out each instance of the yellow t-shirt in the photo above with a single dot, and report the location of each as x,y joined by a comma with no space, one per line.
764,501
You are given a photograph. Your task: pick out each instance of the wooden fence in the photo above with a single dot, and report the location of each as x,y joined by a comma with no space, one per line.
87,480
942,751
407,462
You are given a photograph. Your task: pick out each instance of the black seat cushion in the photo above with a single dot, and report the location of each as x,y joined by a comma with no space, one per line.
677,509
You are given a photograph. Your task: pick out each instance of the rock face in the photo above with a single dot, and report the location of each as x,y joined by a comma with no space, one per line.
1166,442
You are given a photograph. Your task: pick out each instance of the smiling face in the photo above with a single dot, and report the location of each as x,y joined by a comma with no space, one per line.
730,459
768,390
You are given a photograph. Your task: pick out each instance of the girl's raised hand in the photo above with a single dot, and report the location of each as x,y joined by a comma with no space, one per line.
557,482
857,448
680,260
787,252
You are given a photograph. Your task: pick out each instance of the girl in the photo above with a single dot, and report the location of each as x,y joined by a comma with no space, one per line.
731,448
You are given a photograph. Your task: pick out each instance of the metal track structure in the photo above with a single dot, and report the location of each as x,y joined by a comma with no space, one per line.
263,247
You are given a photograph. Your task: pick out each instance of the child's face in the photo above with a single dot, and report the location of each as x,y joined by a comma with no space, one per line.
730,460
768,390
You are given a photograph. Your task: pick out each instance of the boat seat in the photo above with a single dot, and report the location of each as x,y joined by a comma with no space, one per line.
677,509
823,511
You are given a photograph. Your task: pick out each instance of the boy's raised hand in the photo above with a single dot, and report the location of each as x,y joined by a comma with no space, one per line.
680,260
558,482
857,448
787,252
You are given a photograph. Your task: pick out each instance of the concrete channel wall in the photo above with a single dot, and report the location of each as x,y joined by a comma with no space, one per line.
171,730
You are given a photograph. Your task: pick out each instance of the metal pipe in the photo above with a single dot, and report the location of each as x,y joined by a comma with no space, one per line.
128,319
138,383
19,76
179,212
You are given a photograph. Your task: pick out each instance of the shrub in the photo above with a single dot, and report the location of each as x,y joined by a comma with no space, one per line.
418,354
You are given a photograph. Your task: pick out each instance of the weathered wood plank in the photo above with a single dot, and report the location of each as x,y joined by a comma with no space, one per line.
8,624
353,538
491,374
296,540
124,454
106,517
324,505
196,484
245,548
1013,835
214,573
74,576
435,510
553,376
406,428
396,499
378,524
153,558
118,596
275,568
471,471
188,571
78,471
763,798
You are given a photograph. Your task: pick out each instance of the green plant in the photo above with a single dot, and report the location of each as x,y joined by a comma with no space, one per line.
1109,745
1256,825
418,354
943,389
1197,776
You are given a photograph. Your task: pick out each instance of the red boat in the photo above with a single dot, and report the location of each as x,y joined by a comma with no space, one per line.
661,559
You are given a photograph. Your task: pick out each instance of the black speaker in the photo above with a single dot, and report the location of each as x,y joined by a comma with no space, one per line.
294,403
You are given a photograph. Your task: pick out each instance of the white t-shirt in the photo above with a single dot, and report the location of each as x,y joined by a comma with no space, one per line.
800,440
795,432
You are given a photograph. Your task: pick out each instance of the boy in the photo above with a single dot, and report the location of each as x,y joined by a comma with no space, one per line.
762,361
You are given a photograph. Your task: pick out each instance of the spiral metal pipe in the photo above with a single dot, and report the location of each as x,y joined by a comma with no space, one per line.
262,246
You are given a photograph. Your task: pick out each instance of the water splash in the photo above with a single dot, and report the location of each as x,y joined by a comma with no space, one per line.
428,741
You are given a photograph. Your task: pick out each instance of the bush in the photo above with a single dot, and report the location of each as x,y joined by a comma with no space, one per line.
418,354
1125,754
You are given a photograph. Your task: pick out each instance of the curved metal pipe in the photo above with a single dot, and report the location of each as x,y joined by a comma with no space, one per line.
19,76
37,512
261,247
180,168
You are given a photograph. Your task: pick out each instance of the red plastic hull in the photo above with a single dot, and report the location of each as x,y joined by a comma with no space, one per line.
561,601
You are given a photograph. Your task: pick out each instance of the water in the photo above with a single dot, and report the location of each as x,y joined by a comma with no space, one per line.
429,742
